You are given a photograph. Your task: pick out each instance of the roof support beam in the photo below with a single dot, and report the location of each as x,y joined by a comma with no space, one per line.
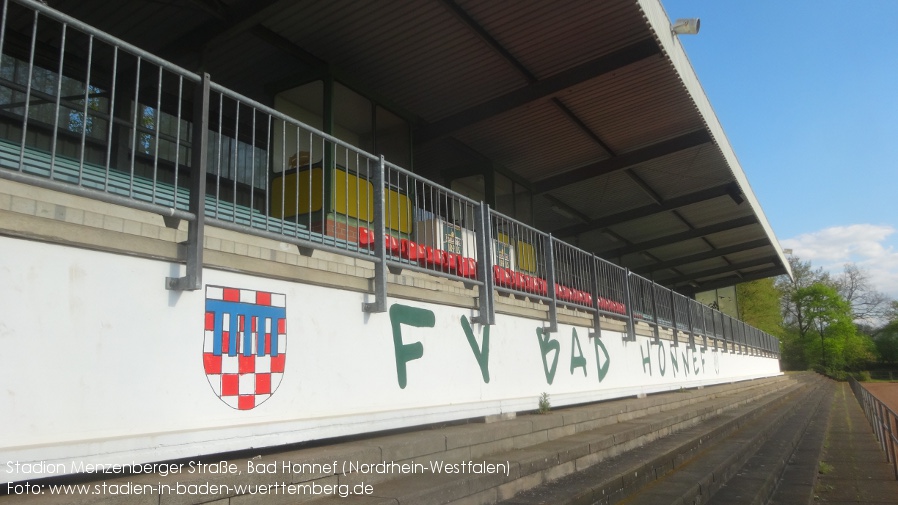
680,237
488,38
644,186
238,18
538,90
771,260
648,210
624,161
713,253
566,209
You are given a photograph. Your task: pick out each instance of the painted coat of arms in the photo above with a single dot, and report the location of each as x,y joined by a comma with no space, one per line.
245,344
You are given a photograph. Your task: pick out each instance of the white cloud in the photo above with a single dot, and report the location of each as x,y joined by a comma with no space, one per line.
867,245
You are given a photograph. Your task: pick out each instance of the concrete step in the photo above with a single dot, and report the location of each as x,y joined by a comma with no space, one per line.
618,478
536,465
784,469
701,478
534,449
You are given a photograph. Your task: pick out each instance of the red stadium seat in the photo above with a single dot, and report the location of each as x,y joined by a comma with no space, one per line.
466,267
411,250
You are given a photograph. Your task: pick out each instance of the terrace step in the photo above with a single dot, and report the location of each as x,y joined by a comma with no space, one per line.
536,449
744,467
784,469
544,462
678,469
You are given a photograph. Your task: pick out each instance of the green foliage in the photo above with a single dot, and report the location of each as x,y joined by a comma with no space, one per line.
830,334
759,305
831,323
792,351
544,405
886,341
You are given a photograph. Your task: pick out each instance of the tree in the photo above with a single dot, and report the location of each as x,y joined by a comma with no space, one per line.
825,313
759,305
830,333
886,340
867,305
795,345
803,276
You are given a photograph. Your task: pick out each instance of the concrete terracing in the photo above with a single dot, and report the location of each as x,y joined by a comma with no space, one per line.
792,439
598,453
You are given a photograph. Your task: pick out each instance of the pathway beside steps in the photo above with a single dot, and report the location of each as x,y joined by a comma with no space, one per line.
855,469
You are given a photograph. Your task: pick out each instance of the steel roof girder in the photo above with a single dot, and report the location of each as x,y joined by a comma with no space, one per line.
680,237
624,161
648,210
538,90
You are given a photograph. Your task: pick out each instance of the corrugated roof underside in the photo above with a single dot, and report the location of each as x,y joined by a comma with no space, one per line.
410,50
540,34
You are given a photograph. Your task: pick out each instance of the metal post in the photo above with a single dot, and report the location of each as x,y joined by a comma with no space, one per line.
673,317
727,322
690,324
193,278
631,330
380,248
550,281
657,331
704,326
594,288
483,237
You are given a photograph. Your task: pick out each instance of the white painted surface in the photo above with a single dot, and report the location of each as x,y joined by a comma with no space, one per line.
100,363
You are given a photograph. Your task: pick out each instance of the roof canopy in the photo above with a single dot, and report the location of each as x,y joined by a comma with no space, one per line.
592,105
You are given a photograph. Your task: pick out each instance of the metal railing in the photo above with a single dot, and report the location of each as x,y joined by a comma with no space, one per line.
883,420
106,120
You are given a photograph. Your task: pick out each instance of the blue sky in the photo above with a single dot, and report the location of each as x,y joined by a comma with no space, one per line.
807,92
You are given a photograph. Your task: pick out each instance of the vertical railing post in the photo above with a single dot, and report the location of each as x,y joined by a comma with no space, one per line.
550,281
890,448
893,428
734,339
380,247
713,328
657,331
484,242
594,289
726,318
631,326
673,319
193,278
690,324
747,335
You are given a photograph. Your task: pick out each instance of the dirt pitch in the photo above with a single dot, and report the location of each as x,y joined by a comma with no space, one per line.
887,392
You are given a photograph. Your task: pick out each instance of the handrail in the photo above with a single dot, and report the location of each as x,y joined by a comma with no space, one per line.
883,420
271,175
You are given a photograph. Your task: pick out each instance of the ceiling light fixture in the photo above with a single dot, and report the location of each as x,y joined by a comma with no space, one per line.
686,26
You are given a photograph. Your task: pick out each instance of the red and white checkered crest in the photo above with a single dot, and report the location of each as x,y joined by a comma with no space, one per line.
245,345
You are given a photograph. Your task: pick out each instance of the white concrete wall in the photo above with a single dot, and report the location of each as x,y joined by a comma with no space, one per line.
100,363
